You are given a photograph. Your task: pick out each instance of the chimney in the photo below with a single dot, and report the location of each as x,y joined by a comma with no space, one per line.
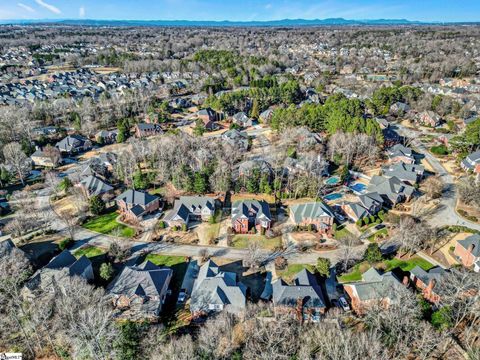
470,248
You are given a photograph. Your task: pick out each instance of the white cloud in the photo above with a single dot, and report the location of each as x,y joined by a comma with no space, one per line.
26,7
48,6
81,11
268,6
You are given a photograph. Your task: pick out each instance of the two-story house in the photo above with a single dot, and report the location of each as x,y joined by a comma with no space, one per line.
317,214
250,214
134,204
190,208
468,251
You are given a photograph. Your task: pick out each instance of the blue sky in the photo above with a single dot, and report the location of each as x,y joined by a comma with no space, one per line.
241,10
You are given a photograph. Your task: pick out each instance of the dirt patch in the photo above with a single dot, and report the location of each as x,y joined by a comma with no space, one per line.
305,237
207,233
66,204
247,196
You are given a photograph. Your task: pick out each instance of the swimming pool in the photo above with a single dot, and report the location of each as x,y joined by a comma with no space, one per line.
333,196
334,180
358,187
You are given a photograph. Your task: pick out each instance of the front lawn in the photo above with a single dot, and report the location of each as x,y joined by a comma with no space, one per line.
165,260
292,270
107,224
382,232
88,251
407,265
355,274
241,241
341,232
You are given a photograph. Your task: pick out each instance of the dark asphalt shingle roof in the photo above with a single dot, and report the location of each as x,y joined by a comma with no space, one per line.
472,240
135,197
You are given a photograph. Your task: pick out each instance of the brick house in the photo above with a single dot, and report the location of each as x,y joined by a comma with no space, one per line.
133,204
375,288
302,299
73,144
468,250
250,214
190,208
317,214
429,118
426,281
400,153
145,130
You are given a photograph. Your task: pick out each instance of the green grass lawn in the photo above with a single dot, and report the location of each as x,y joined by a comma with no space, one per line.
88,251
387,265
292,270
341,232
407,265
355,274
165,260
107,223
241,241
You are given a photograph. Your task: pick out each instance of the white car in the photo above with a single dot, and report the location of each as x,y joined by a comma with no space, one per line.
182,296
344,304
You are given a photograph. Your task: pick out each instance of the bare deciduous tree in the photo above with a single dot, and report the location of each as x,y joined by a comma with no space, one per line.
16,158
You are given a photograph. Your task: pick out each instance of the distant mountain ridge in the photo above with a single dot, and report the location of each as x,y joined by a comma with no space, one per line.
226,23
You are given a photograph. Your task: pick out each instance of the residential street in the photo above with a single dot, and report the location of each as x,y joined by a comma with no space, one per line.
445,214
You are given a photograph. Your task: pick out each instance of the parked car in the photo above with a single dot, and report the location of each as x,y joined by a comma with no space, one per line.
182,296
344,304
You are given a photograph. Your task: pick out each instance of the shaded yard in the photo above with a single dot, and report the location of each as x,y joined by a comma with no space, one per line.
341,232
88,251
107,224
292,270
241,241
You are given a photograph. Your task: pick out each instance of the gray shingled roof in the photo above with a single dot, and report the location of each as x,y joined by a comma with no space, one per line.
187,205
473,158
312,210
472,240
304,286
358,209
71,142
6,247
241,209
399,150
408,172
370,199
217,288
435,273
376,286
135,197
95,186
390,187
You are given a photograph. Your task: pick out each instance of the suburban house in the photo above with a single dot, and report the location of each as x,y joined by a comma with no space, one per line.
215,290
247,167
60,268
190,208
139,292
429,118
92,186
392,190
208,116
468,251
236,139
242,119
400,153
134,204
382,122
73,144
147,129
375,288
106,136
409,173
250,214
317,214
265,116
302,299
368,204
471,161
399,108
426,281
40,158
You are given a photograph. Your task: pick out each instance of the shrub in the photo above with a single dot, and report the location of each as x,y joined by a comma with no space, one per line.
175,228
359,222
65,243
442,318
451,248
184,227
373,253
366,220
381,215
310,227
96,205
161,224
323,266
211,220
439,150
372,219
334,227
106,271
